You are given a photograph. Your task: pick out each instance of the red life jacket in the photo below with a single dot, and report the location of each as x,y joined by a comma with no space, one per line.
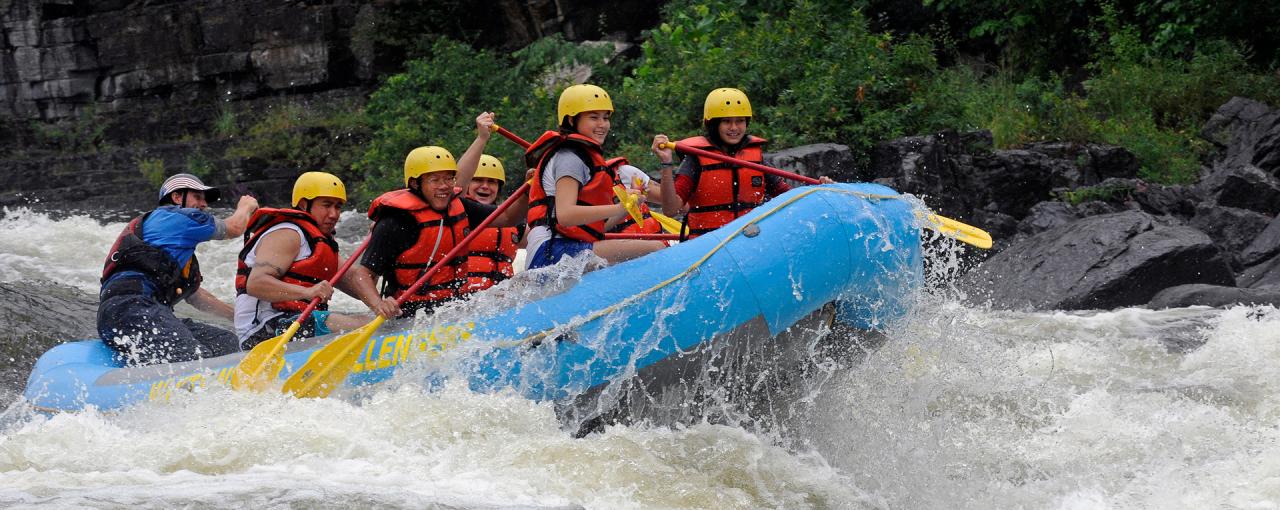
490,259
597,191
320,266
414,262
131,253
722,191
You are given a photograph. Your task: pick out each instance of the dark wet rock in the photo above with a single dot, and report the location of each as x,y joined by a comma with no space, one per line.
1096,162
1263,274
1047,215
1247,133
1198,294
1233,229
959,174
1264,245
1107,261
1099,208
829,159
35,316
1162,200
1244,187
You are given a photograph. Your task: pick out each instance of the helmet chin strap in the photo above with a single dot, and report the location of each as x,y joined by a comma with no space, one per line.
184,199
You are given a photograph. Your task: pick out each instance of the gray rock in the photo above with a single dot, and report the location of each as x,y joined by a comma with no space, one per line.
829,159
1247,133
1047,215
1097,162
1264,274
1107,261
1245,187
1233,229
1198,294
1264,245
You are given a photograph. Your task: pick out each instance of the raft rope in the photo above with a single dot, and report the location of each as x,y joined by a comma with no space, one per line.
616,306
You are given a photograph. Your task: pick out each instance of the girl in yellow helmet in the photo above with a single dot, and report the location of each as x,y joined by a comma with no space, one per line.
571,204
711,191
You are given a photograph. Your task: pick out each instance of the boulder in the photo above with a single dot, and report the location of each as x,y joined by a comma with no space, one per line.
1265,274
1198,294
1046,216
1107,261
1097,162
1247,133
1233,229
1162,200
1245,187
829,159
1264,245
957,174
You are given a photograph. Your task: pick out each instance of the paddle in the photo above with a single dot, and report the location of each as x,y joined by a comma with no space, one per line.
264,361
960,231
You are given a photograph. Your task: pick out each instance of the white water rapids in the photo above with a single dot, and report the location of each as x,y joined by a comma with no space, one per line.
962,408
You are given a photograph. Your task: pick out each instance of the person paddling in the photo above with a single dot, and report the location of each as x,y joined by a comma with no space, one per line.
288,257
715,192
571,204
417,226
492,254
152,266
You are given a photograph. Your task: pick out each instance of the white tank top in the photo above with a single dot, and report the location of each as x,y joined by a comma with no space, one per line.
250,312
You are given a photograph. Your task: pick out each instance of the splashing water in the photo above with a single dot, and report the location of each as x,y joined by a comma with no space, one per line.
961,408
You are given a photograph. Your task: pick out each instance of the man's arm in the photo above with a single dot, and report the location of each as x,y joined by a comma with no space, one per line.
205,301
359,283
239,220
273,256
470,160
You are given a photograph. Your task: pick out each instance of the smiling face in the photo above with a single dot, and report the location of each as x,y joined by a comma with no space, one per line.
194,199
437,188
732,129
326,211
484,190
594,124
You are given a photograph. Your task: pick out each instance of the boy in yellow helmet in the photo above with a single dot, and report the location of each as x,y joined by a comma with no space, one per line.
288,257
415,227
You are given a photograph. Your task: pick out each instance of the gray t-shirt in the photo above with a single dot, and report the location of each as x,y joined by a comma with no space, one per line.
564,163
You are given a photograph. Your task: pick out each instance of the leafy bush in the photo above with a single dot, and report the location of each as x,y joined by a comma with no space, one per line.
152,169
435,102
814,74
305,138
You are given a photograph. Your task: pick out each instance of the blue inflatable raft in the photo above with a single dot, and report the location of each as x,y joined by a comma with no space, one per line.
848,251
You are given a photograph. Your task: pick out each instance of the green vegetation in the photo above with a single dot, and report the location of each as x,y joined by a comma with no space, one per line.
152,169
306,137
199,165
83,133
1143,74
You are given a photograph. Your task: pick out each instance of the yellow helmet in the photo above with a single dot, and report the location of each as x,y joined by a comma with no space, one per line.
425,160
318,184
491,168
726,102
582,98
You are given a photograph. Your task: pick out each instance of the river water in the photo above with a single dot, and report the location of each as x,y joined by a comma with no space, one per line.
962,407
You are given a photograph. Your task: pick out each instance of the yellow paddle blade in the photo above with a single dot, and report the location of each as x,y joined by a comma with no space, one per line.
262,365
669,224
329,366
962,232
629,202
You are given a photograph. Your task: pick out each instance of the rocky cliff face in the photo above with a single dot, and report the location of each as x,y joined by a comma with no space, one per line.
88,88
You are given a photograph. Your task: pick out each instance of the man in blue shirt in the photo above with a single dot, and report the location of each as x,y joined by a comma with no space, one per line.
153,265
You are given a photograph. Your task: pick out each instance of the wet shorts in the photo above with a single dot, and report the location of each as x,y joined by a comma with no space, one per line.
555,249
